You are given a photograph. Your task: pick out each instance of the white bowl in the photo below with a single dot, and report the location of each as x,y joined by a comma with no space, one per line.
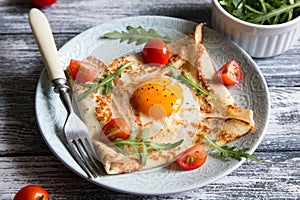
258,41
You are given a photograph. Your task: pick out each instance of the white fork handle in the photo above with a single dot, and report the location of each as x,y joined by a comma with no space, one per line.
44,38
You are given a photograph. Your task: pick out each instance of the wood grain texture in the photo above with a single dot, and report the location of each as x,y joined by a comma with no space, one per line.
63,18
276,176
25,158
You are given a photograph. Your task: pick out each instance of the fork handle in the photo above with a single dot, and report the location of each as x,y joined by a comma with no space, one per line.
44,38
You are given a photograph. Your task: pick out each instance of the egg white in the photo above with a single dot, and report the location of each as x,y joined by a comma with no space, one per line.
167,129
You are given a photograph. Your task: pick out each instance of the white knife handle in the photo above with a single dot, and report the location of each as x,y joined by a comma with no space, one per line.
44,38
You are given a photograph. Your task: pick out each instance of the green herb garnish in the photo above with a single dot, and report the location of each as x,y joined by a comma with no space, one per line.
188,81
141,146
228,152
266,12
106,82
138,35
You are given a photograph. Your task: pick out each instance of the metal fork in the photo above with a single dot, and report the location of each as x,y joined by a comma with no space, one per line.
75,130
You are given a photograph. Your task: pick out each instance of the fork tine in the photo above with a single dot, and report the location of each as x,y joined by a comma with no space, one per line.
74,152
91,154
84,156
81,158
85,150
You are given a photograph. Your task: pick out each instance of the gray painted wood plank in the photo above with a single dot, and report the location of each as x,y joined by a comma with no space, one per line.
76,16
276,176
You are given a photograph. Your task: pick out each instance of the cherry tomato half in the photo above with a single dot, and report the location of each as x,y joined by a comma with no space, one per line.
43,3
82,71
115,128
32,192
155,52
230,73
192,158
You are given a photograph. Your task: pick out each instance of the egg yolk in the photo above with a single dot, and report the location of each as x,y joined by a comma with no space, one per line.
158,97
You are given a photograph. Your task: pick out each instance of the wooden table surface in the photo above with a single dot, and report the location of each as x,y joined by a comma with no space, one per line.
25,158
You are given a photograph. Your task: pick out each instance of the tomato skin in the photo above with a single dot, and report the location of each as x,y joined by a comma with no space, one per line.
31,192
82,71
115,128
155,52
192,158
43,3
230,73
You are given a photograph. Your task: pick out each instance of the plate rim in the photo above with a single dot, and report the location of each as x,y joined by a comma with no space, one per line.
94,181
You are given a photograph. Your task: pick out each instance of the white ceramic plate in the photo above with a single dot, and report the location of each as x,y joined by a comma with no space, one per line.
251,93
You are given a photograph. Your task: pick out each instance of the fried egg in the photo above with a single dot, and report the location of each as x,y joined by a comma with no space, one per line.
146,97
157,101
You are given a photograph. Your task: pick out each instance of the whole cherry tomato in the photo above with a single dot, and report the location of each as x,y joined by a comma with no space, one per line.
230,73
155,52
192,158
43,3
115,128
82,71
32,192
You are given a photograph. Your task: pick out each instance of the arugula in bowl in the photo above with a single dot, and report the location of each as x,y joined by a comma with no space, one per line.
265,12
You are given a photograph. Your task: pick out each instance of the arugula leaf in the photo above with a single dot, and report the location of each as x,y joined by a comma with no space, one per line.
142,145
228,152
263,11
274,13
103,82
166,146
144,154
188,81
139,35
